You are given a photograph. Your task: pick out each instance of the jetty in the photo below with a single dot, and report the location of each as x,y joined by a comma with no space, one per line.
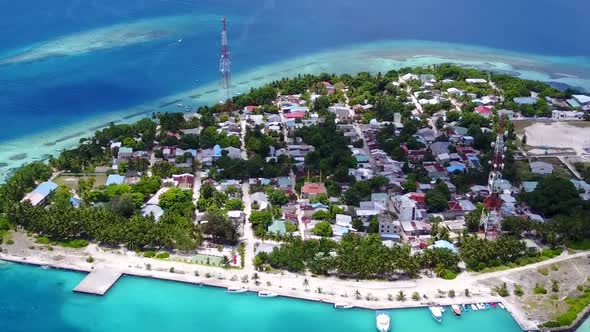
98,282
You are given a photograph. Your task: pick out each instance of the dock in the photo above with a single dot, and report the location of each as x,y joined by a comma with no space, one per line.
98,282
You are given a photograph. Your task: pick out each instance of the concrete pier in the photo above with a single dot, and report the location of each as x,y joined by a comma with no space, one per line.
98,282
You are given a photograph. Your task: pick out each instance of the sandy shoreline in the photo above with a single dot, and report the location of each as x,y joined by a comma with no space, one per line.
373,294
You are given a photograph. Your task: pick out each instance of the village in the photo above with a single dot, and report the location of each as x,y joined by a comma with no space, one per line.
407,162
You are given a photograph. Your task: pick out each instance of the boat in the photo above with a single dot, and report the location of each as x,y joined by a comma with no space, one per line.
436,313
464,308
267,294
45,267
493,305
474,307
488,306
236,290
456,310
382,321
343,305
480,306
501,305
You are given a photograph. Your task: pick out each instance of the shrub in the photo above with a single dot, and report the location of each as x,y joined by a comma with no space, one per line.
449,275
416,296
9,242
554,286
452,293
543,270
502,290
162,255
580,288
554,267
149,254
539,289
518,290
89,259
171,270
43,240
50,248
76,244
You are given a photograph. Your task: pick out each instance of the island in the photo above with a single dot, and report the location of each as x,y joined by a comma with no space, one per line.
419,187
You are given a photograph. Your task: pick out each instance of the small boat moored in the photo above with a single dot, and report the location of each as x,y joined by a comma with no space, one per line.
488,306
236,290
501,305
493,304
343,305
474,307
480,306
456,310
436,313
382,321
267,294
464,308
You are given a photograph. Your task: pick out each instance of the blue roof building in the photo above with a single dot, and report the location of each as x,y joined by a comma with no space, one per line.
442,244
277,227
217,151
361,158
525,100
115,179
454,168
46,188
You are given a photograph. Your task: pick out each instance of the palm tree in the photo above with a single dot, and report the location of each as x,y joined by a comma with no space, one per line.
256,277
357,294
225,262
305,283
401,296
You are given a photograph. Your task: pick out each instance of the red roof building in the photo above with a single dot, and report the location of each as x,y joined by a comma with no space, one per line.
295,115
419,198
483,111
311,189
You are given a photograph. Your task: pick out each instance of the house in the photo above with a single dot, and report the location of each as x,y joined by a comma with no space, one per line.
40,194
567,115
415,228
310,189
406,208
439,147
582,99
409,77
153,210
525,100
238,217
115,179
389,227
184,181
284,183
344,220
261,199
507,113
381,198
528,186
124,153
484,111
541,168
277,227
233,153
459,208
442,244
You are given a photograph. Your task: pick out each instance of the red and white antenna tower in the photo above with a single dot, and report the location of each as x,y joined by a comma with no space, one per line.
224,62
492,214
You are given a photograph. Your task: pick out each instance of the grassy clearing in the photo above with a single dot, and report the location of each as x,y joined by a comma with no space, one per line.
76,244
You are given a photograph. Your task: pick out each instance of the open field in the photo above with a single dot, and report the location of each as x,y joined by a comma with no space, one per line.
71,180
570,276
554,137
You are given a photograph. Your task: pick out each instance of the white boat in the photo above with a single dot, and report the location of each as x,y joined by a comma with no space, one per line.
456,310
501,305
45,267
267,294
436,313
474,307
236,290
382,321
481,306
343,305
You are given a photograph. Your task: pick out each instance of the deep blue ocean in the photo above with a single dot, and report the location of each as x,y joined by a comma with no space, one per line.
40,95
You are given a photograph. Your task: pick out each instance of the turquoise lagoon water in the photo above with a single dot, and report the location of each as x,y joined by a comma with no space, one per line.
34,299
